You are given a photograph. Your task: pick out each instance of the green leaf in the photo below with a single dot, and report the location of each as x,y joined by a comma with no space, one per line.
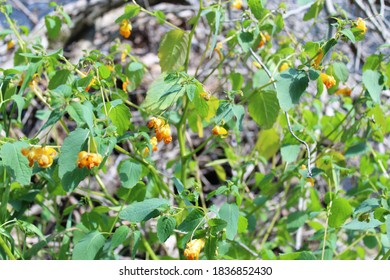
143,211
173,49
88,247
131,11
341,71
53,26
291,84
290,152
194,220
119,236
120,116
217,225
246,40
371,80
137,238
314,10
257,8
229,213
237,80
54,117
129,173
340,211
162,94
363,225
60,77
296,219
16,163
242,224
349,34
81,113
268,143
69,172
104,72
135,73
165,227
264,108
19,100
160,16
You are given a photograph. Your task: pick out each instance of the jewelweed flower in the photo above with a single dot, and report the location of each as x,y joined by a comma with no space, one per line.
193,249
42,155
218,50
264,39
329,81
283,67
219,130
10,44
318,58
125,28
88,160
344,91
237,4
361,24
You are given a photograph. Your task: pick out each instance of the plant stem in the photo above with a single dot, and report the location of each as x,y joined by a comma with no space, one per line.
275,218
148,248
181,129
186,63
6,249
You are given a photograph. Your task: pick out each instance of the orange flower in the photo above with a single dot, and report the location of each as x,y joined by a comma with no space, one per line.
92,83
283,67
219,130
10,44
329,81
237,4
125,28
264,39
88,160
344,91
155,123
318,58
42,155
193,249
125,84
361,24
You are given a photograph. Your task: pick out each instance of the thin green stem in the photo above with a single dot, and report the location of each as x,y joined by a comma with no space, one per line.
6,249
186,63
153,15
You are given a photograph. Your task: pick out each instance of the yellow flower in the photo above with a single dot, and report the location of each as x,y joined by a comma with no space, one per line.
10,44
237,4
42,155
206,96
283,67
88,160
218,49
125,84
361,24
219,130
125,28
310,180
154,142
344,91
264,39
92,83
329,81
193,249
